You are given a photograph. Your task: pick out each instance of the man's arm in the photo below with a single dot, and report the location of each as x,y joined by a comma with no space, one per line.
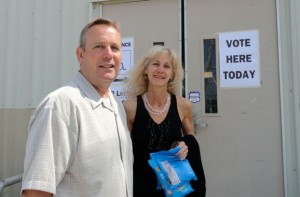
35,193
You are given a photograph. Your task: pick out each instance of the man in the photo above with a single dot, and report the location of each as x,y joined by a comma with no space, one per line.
79,144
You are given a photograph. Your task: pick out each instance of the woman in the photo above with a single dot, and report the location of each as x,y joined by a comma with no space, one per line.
156,115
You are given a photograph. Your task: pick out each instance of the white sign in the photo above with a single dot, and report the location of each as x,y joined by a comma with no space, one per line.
127,57
239,59
117,89
126,64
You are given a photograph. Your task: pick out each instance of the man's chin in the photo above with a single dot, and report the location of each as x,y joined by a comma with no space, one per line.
109,78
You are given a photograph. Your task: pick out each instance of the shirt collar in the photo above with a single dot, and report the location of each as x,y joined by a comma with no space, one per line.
91,93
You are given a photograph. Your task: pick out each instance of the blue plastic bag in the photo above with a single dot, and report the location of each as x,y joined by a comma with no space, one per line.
173,175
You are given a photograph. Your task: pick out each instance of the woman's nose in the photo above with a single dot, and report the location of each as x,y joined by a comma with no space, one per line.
160,69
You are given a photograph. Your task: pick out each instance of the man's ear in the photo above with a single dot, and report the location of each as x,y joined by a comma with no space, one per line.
79,54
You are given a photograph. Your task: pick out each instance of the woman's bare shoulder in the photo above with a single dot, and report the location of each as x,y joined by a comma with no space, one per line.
130,104
183,102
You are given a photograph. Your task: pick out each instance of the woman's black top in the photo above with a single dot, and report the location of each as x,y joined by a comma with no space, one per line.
147,137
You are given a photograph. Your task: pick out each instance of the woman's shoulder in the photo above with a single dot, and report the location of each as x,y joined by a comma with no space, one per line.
130,104
183,102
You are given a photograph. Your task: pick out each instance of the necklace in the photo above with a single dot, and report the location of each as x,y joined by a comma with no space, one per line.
154,111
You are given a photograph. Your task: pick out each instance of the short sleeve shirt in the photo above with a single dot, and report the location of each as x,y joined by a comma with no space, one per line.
78,144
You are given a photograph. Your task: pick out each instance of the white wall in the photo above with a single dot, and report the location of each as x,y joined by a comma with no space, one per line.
288,18
38,39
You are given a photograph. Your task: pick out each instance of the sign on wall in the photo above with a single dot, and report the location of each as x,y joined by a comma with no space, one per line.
239,59
126,64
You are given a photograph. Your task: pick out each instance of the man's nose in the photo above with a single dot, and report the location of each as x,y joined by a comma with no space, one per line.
108,53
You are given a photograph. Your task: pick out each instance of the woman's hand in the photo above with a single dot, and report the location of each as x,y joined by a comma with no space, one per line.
183,150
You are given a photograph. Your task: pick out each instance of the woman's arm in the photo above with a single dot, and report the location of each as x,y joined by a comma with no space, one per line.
186,115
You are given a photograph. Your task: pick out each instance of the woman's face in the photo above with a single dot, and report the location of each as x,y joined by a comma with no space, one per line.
160,70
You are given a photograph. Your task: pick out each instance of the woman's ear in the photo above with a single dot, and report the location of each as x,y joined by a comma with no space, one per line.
145,70
172,76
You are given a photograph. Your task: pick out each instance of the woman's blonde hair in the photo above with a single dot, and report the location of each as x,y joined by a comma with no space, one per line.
137,81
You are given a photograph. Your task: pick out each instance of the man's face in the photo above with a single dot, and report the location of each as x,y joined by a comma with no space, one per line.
101,58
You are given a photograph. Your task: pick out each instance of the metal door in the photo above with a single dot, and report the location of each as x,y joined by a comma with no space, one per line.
238,129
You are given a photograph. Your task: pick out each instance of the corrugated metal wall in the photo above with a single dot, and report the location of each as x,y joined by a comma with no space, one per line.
38,41
13,135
